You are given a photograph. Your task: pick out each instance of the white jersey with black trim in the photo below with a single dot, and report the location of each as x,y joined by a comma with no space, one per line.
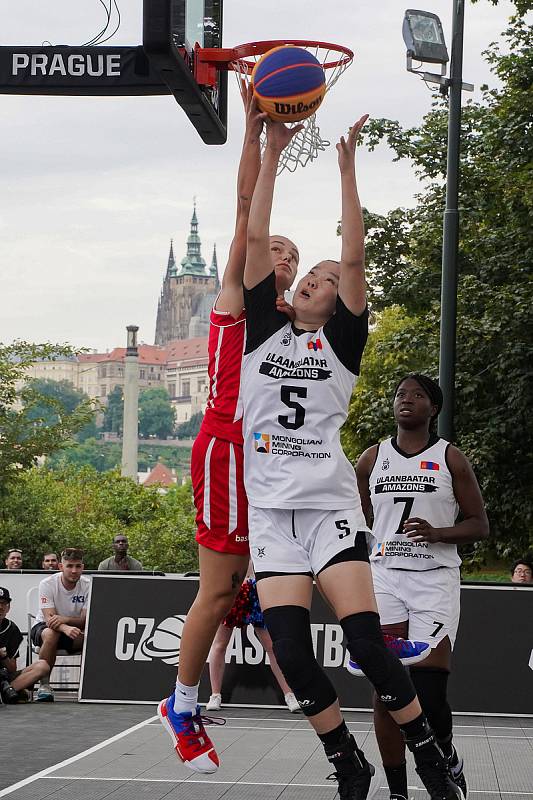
296,393
403,486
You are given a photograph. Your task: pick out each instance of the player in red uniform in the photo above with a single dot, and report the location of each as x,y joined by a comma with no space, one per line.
217,468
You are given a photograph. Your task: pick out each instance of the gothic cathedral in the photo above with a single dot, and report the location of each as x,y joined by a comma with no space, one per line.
188,293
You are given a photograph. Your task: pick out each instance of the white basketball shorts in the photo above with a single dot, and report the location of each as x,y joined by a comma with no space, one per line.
428,599
303,540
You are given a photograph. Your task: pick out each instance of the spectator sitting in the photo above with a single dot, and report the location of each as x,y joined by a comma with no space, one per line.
121,560
13,682
60,623
50,562
522,571
13,559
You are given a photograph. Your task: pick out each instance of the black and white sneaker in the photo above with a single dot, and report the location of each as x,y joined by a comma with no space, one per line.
357,779
362,786
435,777
455,764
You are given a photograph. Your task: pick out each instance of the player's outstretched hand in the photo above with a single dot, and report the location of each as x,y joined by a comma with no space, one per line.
346,147
419,530
279,135
285,308
255,119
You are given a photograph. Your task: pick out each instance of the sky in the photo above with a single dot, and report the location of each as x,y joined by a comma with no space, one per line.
93,189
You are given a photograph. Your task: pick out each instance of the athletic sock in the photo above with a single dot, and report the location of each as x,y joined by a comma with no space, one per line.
397,780
185,698
420,739
342,751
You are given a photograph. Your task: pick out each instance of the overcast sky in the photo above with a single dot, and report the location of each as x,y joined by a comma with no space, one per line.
93,189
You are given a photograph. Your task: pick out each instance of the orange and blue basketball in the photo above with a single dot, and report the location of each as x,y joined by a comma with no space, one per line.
289,83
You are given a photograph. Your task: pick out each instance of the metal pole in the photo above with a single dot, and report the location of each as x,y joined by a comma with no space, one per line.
450,239
130,428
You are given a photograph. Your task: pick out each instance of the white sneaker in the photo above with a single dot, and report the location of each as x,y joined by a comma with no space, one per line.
292,703
45,694
214,703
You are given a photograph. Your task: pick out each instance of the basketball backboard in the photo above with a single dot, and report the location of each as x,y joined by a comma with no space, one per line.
171,31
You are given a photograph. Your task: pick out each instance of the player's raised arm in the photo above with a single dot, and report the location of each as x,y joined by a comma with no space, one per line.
231,297
258,259
352,288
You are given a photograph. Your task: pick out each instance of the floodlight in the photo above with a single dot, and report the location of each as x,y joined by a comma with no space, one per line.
424,37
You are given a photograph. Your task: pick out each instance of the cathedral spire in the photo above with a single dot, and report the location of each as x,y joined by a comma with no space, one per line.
213,269
171,265
193,263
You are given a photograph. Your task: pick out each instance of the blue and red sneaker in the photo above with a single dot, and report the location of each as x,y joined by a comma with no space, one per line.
191,743
408,652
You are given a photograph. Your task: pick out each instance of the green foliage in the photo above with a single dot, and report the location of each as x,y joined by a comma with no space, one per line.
114,411
399,344
47,509
190,429
157,415
26,432
103,456
58,397
494,380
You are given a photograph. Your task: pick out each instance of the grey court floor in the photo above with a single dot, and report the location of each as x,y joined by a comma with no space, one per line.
122,752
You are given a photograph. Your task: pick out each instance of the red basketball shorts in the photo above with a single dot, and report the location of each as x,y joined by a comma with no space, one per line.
219,495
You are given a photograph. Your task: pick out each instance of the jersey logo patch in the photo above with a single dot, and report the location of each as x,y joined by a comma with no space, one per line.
262,442
429,465
287,339
386,464
308,368
316,345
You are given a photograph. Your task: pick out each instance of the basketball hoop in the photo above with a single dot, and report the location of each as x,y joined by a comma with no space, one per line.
335,59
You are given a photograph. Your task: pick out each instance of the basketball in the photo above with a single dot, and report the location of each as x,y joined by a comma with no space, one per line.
289,83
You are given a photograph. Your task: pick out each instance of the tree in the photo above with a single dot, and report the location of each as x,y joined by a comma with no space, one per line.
64,396
114,411
157,416
25,435
494,381
51,510
190,429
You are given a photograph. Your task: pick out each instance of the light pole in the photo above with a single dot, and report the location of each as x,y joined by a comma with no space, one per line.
130,426
424,38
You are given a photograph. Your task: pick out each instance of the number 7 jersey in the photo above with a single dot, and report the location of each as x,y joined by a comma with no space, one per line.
295,391
412,485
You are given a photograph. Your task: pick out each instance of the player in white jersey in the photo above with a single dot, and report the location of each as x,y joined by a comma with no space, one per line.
414,485
305,516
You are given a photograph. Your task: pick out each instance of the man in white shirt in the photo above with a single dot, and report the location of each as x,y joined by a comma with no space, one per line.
60,623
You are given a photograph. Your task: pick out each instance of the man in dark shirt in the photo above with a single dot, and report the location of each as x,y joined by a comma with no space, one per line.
10,639
121,560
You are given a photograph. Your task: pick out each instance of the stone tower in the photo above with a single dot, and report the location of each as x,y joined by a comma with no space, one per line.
188,292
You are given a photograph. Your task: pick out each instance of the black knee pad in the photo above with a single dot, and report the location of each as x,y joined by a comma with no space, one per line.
431,686
366,646
290,630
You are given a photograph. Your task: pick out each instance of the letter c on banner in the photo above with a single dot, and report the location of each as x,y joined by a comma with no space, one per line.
123,651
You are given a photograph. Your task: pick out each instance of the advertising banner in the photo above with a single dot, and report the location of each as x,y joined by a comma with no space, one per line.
61,70
134,636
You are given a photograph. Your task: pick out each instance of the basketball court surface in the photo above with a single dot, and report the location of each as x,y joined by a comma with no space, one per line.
91,752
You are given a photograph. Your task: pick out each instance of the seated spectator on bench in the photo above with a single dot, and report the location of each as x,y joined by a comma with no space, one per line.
13,559
60,623
522,571
15,683
120,560
50,562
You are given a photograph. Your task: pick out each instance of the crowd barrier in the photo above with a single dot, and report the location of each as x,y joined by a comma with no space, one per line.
134,634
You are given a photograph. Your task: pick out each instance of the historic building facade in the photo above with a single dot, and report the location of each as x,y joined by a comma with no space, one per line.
188,293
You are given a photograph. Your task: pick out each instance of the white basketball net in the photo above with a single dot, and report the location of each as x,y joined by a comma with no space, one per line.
308,143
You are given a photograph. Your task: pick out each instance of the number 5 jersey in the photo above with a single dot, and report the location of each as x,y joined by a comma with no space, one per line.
295,389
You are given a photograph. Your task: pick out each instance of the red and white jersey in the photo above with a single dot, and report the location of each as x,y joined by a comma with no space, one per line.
223,414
